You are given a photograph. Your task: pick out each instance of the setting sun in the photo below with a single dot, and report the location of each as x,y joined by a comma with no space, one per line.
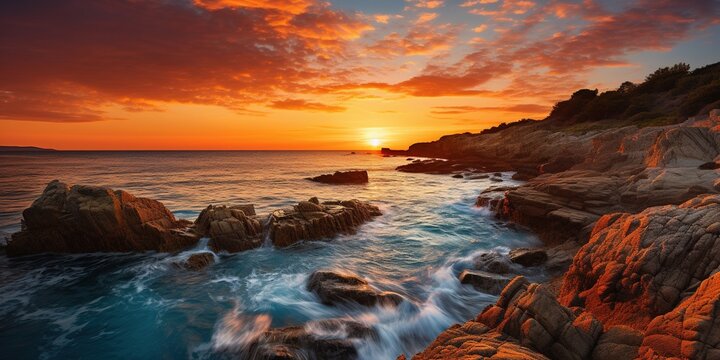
375,142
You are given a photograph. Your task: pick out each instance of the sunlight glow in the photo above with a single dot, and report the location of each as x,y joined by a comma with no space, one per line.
375,143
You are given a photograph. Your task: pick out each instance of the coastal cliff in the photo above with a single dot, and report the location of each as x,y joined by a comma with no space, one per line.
637,204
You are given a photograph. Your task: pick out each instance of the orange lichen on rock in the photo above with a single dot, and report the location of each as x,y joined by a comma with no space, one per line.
636,267
690,331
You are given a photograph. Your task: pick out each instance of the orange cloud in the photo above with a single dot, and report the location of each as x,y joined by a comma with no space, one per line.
302,105
427,4
291,6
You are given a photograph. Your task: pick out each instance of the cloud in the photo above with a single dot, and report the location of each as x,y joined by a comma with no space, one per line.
302,105
69,60
291,6
426,17
421,39
427,4
72,60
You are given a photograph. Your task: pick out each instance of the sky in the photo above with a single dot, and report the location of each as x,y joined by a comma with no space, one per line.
310,74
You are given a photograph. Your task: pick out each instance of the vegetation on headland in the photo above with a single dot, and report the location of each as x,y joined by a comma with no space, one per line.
667,96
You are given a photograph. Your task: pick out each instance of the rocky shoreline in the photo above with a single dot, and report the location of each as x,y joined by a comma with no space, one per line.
637,210
86,219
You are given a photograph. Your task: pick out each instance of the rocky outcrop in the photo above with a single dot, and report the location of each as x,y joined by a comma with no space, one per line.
638,266
531,314
312,220
691,330
526,322
230,228
627,169
340,287
343,177
81,219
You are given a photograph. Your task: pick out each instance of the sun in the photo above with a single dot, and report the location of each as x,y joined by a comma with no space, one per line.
375,142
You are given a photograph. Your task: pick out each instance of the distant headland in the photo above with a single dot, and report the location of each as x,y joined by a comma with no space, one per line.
23,149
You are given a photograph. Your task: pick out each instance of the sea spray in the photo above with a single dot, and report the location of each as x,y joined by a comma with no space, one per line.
237,331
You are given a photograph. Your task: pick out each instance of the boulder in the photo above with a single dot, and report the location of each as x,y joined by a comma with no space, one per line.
82,219
530,314
484,281
199,261
528,257
493,262
343,177
311,221
340,287
330,339
230,228
618,343
638,266
691,330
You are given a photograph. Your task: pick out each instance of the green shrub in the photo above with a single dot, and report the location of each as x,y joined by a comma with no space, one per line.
699,98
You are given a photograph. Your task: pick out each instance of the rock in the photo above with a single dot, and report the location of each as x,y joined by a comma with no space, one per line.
82,219
311,221
639,266
458,176
530,314
712,165
484,281
473,340
560,164
493,262
691,330
343,177
494,179
4,238
230,228
199,261
492,203
336,287
323,339
528,257
618,343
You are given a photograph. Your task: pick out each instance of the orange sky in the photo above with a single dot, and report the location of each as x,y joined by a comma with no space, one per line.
306,74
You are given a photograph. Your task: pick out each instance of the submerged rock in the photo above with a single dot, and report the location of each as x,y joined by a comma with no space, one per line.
82,219
323,339
312,221
484,281
199,261
343,177
336,287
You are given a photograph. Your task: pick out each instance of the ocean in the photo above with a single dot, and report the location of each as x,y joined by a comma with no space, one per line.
139,306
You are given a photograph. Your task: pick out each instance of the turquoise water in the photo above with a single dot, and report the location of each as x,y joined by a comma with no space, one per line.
139,306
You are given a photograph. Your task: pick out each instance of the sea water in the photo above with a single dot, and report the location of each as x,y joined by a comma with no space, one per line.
140,306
